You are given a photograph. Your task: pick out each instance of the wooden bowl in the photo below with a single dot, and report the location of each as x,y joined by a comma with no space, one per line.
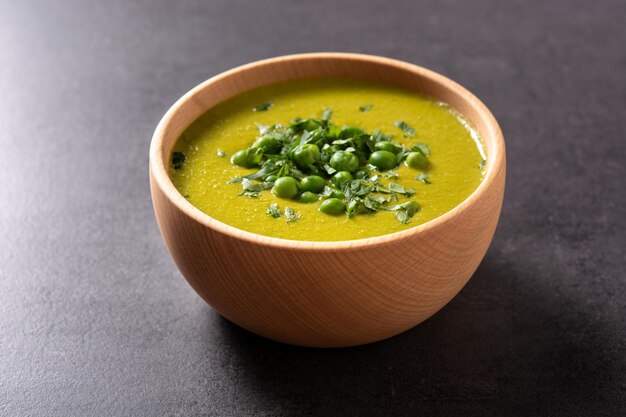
327,294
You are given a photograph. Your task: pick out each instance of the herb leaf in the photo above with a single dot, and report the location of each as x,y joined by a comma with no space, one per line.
329,170
408,130
421,147
263,106
482,164
262,128
389,175
326,115
405,211
330,192
273,210
291,215
365,107
423,177
178,160
397,188
253,188
254,157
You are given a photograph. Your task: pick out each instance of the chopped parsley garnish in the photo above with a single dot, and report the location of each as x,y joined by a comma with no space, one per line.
404,211
273,210
408,130
397,188
291,215
389,175
353,168
423,177
421,147
326,115
178,160
366,107
221,153
263,106
253,188
482,164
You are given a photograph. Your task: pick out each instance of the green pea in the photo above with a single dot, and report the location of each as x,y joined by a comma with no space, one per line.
332,206
240,158
299,125
271,178
311,125
386,146
313,183
344,161
416,160
350,132
308,197
306,155
383,160
285,187
341,178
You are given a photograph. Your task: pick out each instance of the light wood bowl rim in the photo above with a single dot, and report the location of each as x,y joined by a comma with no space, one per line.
495,160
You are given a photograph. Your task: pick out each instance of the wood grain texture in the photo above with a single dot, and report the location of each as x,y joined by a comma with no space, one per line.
327,294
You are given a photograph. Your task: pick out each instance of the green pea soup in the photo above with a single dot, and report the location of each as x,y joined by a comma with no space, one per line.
204,177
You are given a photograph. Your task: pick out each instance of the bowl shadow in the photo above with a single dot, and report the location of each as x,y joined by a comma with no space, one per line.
499,347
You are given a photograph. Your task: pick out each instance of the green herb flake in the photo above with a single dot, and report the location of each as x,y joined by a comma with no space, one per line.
291,215
221,153
353,205
389,175
397,188
273,210
405,211
262,128
326,115
329,170
178,160
408,130
254,156
482,164
421,147
423,177
253,188
366,107
330,192
263,106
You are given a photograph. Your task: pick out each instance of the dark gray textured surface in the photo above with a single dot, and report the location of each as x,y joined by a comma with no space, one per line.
95,320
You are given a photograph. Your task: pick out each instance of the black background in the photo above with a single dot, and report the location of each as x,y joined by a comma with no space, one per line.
96,320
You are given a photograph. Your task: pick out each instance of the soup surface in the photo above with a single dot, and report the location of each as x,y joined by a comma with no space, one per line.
455,162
